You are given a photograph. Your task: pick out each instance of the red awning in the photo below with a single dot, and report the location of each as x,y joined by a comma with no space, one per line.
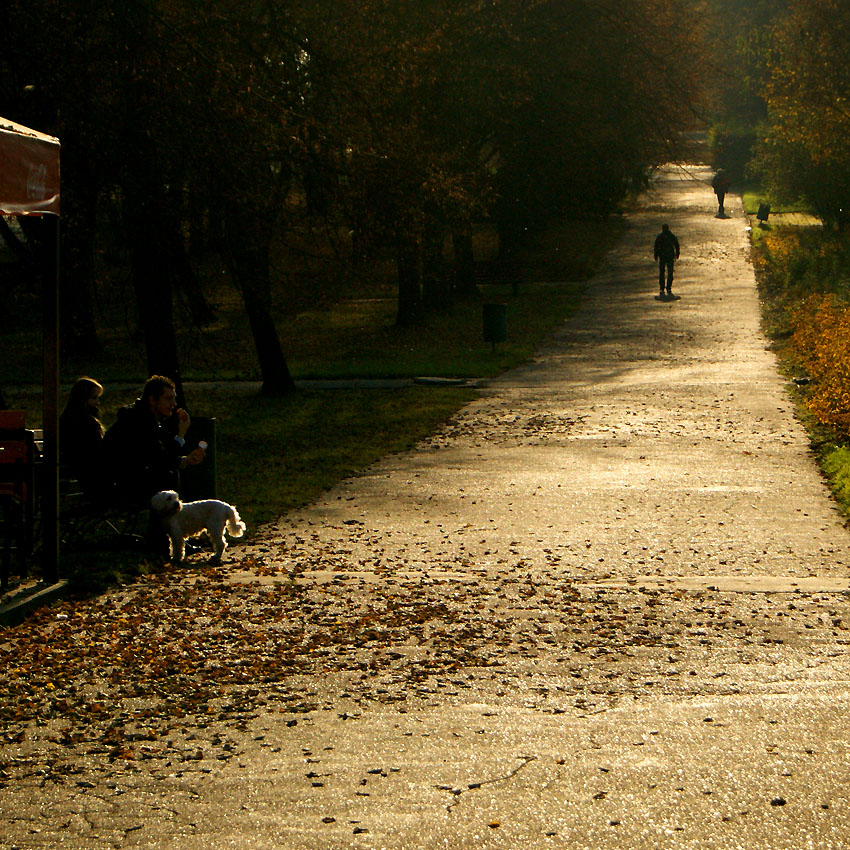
29,171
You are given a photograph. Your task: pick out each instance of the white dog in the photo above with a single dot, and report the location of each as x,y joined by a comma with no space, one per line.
183,520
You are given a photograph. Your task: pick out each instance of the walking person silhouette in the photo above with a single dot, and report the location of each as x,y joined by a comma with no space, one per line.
720,184
666,253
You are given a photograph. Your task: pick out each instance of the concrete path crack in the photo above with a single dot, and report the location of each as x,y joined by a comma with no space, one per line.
474,786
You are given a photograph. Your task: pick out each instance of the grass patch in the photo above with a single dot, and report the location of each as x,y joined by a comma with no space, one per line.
753,195
835,463
331,324
360,340
278,453
281,453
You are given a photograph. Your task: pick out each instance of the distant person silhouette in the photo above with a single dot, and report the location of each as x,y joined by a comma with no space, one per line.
720,184
666,253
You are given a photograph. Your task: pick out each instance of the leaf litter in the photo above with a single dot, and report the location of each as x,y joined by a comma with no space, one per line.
181,649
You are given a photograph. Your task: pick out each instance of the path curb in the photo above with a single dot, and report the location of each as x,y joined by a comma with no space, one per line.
19,606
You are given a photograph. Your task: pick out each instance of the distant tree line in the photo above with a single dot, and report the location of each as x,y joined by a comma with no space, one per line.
187,127
783,112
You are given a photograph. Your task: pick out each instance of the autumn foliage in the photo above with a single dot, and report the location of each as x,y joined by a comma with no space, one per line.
804,151
822,340
807,272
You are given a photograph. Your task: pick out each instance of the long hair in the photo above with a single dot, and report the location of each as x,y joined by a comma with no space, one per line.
80,393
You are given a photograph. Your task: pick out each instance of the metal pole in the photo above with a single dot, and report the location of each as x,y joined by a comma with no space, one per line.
50,424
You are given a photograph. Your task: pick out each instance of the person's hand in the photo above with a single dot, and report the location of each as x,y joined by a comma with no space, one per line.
183,422
195,456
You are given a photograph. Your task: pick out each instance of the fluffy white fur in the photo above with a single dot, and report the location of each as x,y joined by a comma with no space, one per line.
183,520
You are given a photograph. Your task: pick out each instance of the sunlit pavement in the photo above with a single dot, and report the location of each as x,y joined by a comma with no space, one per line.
605,607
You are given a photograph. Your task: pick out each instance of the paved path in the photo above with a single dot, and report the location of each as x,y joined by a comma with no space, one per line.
605,607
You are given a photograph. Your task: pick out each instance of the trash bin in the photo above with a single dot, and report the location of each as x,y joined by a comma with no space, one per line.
199,482
495,323
763,213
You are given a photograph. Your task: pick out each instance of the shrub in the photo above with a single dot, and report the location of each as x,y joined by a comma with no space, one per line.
805,280
822,341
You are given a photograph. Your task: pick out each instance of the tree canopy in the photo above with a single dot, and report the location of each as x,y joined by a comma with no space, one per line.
806,147
397,120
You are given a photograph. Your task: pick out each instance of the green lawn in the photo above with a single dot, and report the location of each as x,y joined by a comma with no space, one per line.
753,195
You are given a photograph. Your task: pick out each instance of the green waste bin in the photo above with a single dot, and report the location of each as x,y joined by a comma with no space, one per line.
495,323
199,482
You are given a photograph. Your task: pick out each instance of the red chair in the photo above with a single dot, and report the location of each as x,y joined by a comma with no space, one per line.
17,455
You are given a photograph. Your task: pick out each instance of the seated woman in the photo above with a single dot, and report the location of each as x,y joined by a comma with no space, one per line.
81,437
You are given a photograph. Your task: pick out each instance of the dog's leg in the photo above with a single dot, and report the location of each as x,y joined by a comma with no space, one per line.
219,545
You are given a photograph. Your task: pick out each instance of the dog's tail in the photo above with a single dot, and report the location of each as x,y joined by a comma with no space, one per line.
235,526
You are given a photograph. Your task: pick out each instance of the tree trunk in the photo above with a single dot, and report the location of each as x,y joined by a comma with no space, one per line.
144,210
185,278
79,209
246,253
277,379
436,287
409,267
152,283
465,286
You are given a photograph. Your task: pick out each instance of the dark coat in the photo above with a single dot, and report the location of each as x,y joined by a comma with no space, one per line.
666,246
143,455
720,183
81,447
